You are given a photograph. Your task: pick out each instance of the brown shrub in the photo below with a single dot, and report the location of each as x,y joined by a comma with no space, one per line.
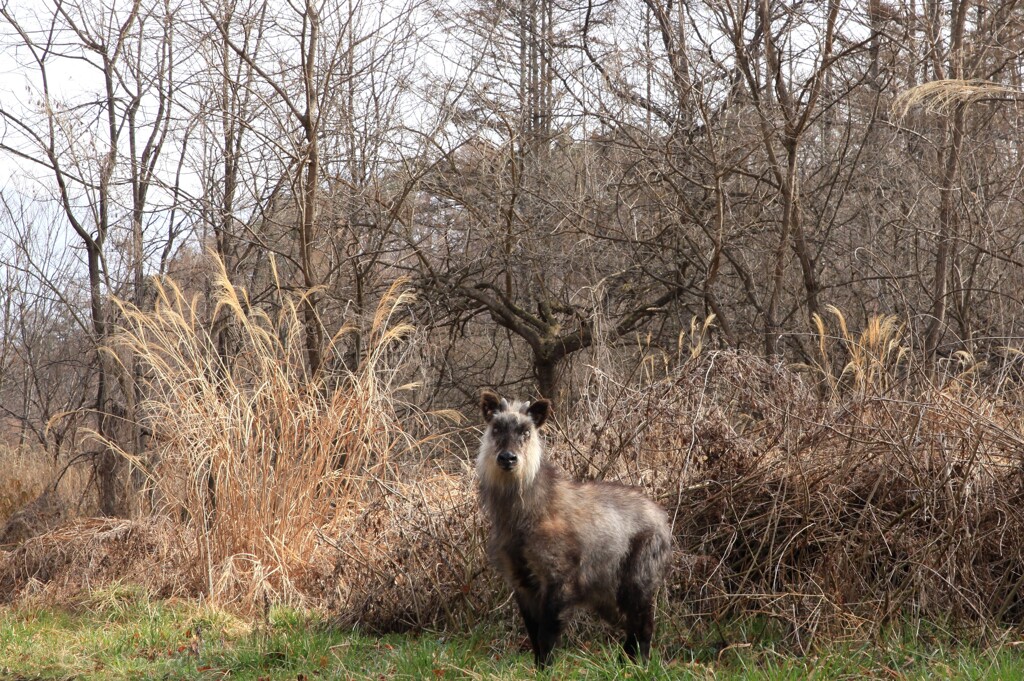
39,493
414,556
92,553
44,513
845,507
27,476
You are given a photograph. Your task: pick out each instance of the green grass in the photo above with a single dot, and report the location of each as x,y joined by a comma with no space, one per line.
121,634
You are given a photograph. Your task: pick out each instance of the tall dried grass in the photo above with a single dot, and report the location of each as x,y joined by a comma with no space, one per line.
253,453
872,359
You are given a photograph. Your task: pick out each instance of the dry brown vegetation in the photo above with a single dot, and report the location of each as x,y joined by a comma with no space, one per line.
251,462
254,457
39,493
28,478
650,212
829,497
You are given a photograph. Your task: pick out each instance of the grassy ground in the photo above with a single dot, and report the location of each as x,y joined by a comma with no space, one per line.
120,634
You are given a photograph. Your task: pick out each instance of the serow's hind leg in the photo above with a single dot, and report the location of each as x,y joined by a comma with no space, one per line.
639,631
635,596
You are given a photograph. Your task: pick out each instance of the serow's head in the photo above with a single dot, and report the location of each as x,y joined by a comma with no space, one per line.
510,445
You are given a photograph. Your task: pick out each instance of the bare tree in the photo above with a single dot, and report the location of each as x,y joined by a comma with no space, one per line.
524,201
42,330
97,150
333,76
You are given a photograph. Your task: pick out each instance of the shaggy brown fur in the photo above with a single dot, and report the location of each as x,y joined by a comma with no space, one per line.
561,544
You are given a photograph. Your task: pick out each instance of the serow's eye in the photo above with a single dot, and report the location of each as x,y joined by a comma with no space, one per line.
524,435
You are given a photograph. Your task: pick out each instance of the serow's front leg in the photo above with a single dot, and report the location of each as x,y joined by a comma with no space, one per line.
529,607
549,625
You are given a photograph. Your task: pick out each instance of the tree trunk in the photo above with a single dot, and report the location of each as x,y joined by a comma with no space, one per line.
106,463
944,255
545,369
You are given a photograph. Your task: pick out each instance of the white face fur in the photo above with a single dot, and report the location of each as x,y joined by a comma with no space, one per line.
511,434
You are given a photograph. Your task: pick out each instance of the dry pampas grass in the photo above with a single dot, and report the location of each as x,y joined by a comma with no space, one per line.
254,452
943,96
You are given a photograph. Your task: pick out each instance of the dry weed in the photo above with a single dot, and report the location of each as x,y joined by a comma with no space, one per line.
254,453
414,556
94,552
887,494
39,494
882,497
942,96
27,477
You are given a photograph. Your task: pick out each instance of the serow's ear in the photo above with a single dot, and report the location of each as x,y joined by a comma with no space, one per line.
539,411
490,404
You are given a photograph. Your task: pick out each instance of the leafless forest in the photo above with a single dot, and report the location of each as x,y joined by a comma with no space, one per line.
767,258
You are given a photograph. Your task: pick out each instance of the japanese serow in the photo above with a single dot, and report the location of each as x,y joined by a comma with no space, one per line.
562,544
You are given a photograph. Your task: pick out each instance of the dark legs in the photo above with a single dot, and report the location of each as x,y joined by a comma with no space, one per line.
526,608
635,596
549,631
542,614
639,631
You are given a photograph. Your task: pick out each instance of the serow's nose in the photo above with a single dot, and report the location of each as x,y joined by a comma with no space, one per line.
507,460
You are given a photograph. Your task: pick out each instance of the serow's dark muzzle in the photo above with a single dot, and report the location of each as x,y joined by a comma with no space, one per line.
507,460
